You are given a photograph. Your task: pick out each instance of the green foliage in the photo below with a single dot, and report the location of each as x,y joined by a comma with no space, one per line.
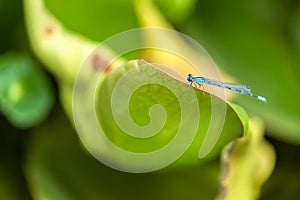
169,93
10,15
97,20
247,164
12,181
257,53
25,92
179,11
254,42
58,169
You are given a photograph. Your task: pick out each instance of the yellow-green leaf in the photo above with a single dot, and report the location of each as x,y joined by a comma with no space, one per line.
247,164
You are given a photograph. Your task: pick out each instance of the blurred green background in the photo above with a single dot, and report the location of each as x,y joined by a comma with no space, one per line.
255,42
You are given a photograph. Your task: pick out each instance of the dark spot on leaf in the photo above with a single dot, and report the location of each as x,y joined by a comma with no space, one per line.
100,64
49,30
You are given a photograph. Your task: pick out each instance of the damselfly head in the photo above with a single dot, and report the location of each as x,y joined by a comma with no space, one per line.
189,78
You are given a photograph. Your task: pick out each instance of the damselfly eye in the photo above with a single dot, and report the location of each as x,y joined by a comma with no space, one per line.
189,78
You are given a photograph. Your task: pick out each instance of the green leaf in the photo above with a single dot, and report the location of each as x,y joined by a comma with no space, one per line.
141,109
25,92
177,11
60,169
97,20
247,164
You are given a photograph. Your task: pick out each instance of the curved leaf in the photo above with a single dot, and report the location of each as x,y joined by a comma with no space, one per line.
59,169
247,164
143,110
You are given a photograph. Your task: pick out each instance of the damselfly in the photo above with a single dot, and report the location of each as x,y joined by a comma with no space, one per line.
239,88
